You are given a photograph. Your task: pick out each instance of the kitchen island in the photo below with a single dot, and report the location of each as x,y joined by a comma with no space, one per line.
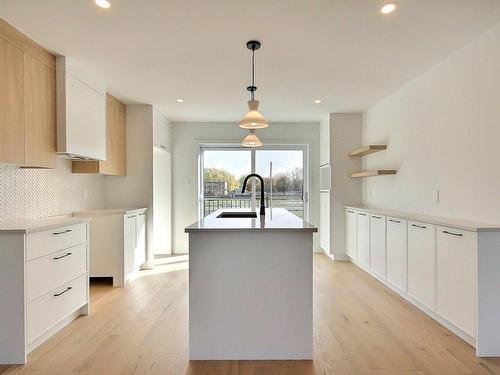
250,286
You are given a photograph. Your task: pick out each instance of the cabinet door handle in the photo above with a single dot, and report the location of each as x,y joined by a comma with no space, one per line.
453,234
419,226
351,212
142,214
395,221
64,291
362,214
131,217
163,147
64,231
376,217
63,256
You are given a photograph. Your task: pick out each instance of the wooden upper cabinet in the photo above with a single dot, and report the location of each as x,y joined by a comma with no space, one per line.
27,101
11,104
116,162
40,114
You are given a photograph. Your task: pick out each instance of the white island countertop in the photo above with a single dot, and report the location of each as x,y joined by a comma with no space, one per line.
24,225
276,219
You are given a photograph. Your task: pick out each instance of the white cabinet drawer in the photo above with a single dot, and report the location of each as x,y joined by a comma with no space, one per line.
46,311
48,272
49,241
456,277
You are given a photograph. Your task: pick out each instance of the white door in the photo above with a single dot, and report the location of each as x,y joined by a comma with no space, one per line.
162,208
129,242
364,240
377,245
140,247
456,277
422,263
351,233
397,253
324,222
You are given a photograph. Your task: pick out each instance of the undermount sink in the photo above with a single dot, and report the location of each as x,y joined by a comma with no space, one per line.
235,214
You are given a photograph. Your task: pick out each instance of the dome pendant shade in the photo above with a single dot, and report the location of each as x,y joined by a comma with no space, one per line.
253,119
251,140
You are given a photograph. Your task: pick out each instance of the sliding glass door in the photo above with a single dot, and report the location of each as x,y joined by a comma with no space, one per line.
222,170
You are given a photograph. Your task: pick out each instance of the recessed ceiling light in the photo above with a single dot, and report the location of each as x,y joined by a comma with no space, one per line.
389,8
103,4
317,101
179,100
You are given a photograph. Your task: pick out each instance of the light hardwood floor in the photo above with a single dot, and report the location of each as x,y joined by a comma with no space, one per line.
360,327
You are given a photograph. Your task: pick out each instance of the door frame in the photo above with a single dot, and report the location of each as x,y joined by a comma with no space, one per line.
304,147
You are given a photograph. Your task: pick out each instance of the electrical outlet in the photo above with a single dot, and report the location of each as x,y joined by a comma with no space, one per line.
435,197
85,195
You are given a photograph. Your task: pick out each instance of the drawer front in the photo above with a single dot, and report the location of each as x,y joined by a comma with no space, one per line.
46,242
44,312
456,277
46,273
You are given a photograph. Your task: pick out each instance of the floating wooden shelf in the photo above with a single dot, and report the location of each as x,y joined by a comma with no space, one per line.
378,172
367,150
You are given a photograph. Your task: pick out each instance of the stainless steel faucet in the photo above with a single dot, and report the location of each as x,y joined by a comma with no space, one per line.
262,202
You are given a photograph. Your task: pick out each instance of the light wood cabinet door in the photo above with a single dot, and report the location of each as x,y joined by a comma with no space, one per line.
351,234
11,104
422,263
116,163
39,114
363,240
377,246
397,253
457,277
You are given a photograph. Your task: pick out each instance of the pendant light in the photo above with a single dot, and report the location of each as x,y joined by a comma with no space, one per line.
251,140
253,119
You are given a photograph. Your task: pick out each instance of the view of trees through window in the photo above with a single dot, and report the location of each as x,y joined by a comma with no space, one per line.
225,170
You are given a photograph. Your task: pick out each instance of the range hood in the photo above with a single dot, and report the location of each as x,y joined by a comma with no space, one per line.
81,113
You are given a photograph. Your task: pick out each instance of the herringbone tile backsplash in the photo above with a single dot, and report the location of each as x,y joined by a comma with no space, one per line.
47,192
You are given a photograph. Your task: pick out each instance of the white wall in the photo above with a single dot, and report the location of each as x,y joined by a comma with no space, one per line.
187,138
442,130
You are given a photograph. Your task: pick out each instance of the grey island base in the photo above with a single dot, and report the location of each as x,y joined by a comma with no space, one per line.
250,287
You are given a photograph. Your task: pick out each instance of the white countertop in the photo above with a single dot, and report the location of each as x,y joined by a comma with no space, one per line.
110,211
276,219
447,222
23,225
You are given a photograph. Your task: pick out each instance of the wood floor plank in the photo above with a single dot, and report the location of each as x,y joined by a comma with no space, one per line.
360,327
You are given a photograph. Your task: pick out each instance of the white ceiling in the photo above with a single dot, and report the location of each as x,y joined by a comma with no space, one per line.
342,51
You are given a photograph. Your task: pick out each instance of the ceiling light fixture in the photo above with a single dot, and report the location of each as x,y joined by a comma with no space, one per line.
389,8
251,140
253,119
317,101
103,4
179,100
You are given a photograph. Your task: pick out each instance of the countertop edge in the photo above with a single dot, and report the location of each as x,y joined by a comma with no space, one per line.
61,222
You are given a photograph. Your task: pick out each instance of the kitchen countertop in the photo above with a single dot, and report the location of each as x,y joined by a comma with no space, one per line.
38,224
276,219
110,211
447,222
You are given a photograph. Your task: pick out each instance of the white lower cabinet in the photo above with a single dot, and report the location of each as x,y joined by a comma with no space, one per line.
129,242
363,240
140,240
378,245
422,263
456,277
44,283
351,234
397,252
324,221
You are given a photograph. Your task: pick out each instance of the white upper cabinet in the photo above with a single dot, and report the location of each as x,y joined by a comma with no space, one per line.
397,254
422,263
81,113
377,245
363,240
351,231
456,277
